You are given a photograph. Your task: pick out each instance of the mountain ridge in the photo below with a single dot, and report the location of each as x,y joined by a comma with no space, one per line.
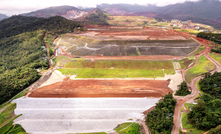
68,12
3,16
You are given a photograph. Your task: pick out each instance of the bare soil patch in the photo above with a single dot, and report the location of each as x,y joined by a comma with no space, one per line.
103,88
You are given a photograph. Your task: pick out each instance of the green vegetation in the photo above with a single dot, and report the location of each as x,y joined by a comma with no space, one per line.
160,120
129,20
190,128
188,105
99,17
191,31
118,69
184,63
148,65
184,122
216,56
128,128
203,66
160,24
210,36
114,73
20,61
201,48
6,120
7,112
20,24
211,85
63,60
23,50
21,94
16,129
95,133
216,130
206,114
183,90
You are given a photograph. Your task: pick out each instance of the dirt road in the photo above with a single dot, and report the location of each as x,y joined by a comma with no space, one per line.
193,85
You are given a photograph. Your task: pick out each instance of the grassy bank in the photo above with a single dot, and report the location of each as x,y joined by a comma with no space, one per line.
148,65
118,69
203,66
128,128
189,127
201,48
216,56
6,120
114,73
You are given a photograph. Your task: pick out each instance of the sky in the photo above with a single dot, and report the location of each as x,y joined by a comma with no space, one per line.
15,7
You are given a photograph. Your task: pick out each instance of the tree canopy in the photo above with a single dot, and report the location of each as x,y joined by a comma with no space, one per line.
160,120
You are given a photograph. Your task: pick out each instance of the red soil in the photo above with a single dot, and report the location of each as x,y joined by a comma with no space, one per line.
104,88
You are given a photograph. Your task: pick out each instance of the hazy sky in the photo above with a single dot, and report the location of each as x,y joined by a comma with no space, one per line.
12,7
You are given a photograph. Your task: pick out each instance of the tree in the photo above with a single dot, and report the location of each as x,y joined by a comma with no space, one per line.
183,89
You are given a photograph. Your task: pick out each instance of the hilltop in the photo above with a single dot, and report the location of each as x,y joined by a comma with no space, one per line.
19,24
68,12
3,16
203,11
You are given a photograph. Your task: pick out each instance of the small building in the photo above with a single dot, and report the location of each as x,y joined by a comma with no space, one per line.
175,22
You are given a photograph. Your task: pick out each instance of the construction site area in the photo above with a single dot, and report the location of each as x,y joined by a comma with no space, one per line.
127,41
104,77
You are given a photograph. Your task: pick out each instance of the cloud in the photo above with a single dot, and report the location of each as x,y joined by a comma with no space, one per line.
12,7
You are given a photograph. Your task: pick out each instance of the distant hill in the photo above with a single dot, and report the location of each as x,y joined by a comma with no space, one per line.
97,17
119,9
2,16
68,12
19,24
22,50
202,11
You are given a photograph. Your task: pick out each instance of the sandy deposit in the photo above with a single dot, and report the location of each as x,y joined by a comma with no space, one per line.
55,77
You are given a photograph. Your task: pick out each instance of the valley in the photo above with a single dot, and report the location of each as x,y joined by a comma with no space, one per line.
115,69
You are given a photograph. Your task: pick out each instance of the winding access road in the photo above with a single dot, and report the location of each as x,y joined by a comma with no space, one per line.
192,85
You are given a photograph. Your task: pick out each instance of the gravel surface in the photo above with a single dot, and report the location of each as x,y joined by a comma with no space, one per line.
79,115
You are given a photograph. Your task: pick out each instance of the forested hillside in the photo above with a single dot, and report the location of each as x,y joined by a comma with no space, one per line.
160,120
23,50
206,114
97,17
212,37
19,24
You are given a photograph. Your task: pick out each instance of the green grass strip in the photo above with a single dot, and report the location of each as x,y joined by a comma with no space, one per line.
203,66
114,73
216,56
189,127
128,128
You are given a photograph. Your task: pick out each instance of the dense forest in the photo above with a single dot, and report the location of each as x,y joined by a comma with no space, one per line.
183,89
216,130
23,50
211,85
206,114
212,37
19,24
160,120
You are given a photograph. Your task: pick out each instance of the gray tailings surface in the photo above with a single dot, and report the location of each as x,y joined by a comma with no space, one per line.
79,115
